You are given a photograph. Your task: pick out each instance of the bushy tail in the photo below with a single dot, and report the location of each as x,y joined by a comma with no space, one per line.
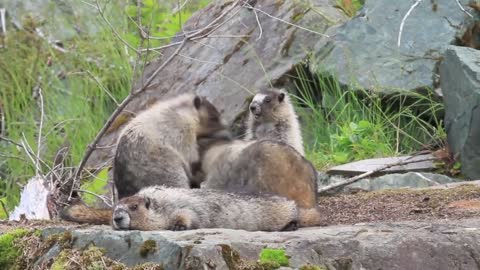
309,217
82,213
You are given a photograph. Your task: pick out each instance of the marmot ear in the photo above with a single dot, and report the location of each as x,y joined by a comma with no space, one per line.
281,97
147,202
197,102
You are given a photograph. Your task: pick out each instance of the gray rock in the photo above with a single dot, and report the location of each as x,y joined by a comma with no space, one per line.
364,50
229,70
71,17
460,83
417,163
436,245
391,181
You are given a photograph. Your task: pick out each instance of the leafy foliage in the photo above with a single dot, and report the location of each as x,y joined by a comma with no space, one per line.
342,125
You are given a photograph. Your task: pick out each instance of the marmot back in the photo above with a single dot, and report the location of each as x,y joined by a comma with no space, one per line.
161,208
159,145
272,117
261,167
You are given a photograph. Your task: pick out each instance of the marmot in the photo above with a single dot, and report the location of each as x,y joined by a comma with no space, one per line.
159,146
163,208
273,117
261,167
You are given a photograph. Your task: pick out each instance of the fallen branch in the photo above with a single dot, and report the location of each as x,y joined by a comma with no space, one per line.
366,174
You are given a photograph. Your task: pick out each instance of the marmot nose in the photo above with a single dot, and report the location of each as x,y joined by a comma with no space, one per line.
253,107
118,219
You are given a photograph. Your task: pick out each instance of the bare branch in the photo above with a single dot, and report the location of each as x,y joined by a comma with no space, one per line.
404,19
463,9
102,87
103,198
286,22
366,174
40,127
102,14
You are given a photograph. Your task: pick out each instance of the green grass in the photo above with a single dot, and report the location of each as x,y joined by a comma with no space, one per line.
340,125
80,88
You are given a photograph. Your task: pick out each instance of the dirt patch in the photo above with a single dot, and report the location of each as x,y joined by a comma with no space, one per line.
401,204
38,224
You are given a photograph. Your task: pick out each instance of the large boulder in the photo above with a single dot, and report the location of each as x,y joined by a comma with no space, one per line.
363,52
240,57
71,17
460,83
401,245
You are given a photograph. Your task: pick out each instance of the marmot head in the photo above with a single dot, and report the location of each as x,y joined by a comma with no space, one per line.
132,213
211,122
265,104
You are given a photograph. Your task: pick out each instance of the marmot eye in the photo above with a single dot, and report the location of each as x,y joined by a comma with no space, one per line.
268,99
134,207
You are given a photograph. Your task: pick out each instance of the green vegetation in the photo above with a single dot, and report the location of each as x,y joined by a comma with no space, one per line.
80,87
343,125
274,256
9,252
350,7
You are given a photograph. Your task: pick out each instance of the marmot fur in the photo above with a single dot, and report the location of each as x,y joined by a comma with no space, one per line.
159,145
273,117
161,208
261,167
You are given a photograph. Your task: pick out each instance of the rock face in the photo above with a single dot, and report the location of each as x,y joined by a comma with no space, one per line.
364,50
460,83
237,59
407,245
71,17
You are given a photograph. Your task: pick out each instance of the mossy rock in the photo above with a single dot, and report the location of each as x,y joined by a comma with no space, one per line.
9,252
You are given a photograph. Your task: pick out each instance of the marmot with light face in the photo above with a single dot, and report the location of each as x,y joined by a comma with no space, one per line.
163,208
272,117
159,146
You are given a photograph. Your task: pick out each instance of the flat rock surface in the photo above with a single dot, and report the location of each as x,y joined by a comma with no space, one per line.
415,163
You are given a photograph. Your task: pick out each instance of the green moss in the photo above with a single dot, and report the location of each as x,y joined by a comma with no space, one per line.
8,251
278,256
148,247
312,267
61,260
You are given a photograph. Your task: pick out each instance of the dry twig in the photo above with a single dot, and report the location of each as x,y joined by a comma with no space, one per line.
404,19
463,9
366,174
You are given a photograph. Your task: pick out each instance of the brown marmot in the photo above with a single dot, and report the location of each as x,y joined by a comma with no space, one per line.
163,208
273,117
261,167
159,145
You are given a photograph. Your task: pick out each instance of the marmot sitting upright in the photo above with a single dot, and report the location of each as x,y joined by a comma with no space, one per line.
159,145
273,117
